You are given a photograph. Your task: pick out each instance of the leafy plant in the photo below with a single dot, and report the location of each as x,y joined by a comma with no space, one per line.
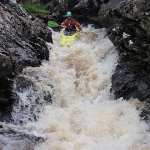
36,8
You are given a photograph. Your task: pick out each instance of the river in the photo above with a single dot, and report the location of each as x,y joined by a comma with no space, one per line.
83,114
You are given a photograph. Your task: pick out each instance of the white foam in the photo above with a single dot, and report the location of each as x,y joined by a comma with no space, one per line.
83,115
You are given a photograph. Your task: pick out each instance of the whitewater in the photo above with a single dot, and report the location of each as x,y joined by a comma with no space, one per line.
83,114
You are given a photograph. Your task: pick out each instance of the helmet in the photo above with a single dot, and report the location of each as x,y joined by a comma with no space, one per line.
68,14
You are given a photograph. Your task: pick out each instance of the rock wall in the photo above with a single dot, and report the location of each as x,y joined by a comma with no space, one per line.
22,43
131,35
81,9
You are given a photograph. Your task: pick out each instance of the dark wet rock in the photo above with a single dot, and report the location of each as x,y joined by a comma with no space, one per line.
128,83
28,109
56,11
23,83
131,38
5,98
18,139
82,10
5,1
145,114
87,8
22,43
31,94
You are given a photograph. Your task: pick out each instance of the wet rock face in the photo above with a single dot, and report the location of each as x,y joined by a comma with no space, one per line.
22,43
57,10
37,98
81,9
131,36
127,83
15,139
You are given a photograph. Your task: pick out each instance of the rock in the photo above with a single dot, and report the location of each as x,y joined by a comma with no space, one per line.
36,98
16,139
81,10
5,98
57,11
5,1
22,43
131,38
127,83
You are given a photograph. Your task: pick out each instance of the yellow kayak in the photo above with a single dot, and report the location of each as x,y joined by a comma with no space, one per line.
68,40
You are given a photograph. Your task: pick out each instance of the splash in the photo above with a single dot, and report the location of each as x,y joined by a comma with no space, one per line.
83,114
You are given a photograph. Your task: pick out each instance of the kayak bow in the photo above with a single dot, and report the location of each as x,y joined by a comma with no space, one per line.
68,40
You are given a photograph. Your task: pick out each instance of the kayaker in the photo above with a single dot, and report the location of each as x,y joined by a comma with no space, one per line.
70,24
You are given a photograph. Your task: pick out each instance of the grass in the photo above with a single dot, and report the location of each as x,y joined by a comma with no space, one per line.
36,8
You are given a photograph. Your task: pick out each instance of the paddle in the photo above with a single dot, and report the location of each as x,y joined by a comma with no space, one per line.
53,24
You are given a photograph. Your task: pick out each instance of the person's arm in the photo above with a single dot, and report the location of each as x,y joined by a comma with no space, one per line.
77,25
64,24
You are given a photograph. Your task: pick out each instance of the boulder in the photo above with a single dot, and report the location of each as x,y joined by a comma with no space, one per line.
131,37
28,109
22,43
82,10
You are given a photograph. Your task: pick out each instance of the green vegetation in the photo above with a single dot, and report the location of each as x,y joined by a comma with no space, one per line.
53,24
36,8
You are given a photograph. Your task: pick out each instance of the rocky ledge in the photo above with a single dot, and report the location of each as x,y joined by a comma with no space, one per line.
131,36
130,33
22,43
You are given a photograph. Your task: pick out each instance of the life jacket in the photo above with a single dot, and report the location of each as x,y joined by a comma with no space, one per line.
71,24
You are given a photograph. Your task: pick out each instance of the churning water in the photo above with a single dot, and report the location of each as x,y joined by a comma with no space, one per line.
83,114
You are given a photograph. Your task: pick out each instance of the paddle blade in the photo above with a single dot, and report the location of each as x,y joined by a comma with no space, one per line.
53,24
